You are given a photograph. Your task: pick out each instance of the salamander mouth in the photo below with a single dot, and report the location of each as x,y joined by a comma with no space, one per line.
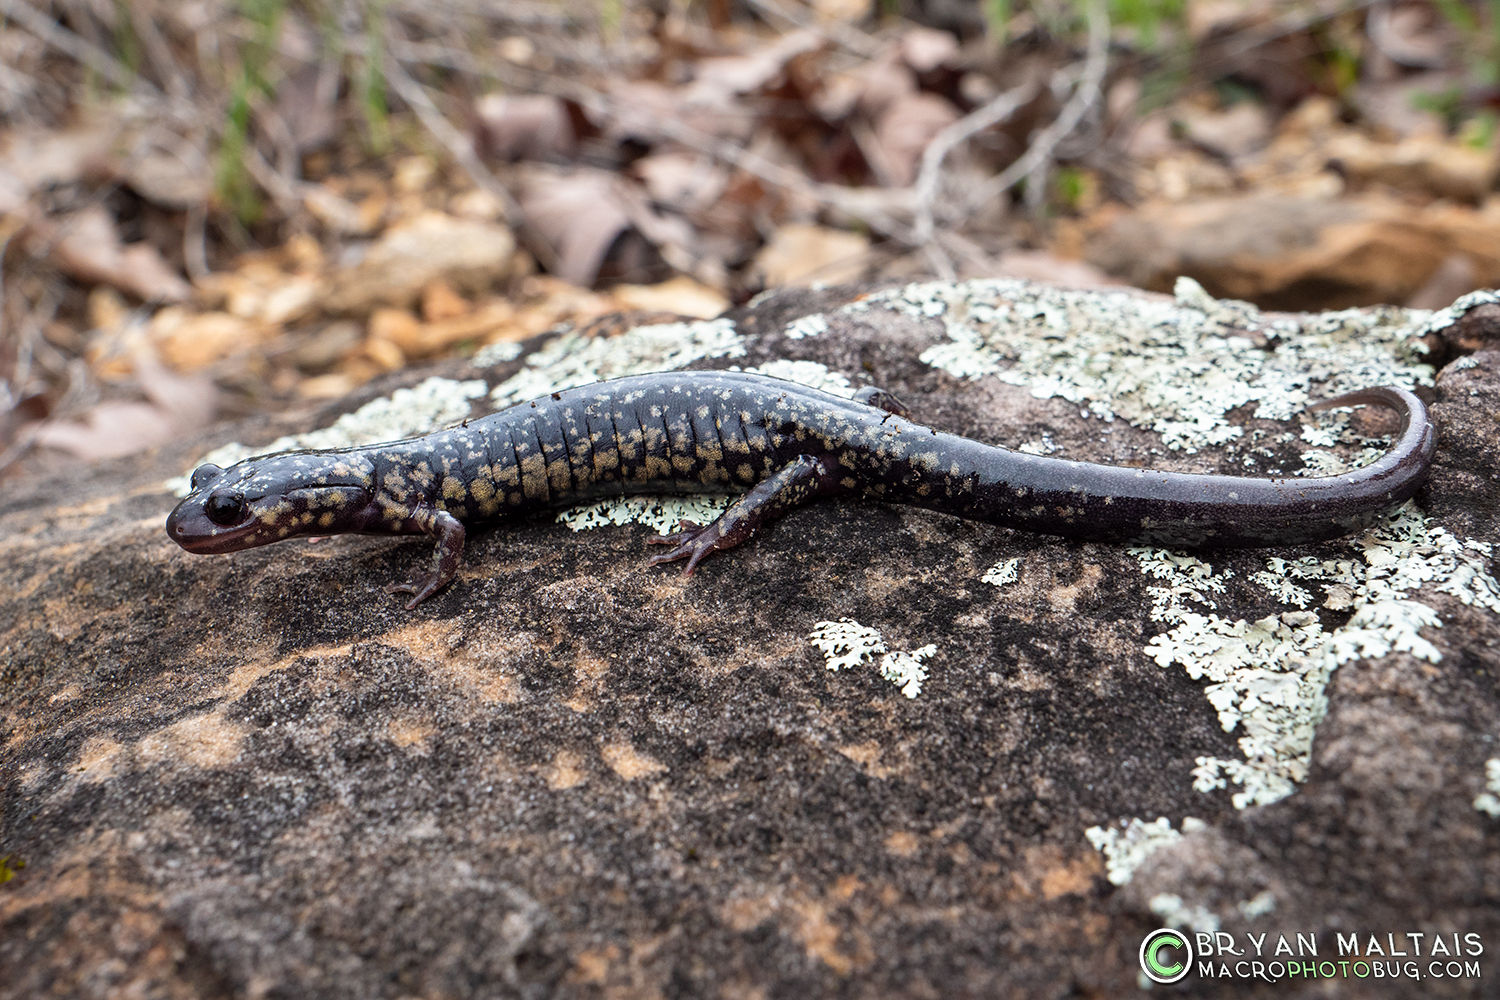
189,527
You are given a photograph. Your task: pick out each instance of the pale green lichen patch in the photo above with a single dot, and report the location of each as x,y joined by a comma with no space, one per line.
404,413
497,354
1267,678
1130,843
846,643
662,513
1488,801
1177,367
1259,905
1004,572
905,670
1176,912
809,373
807,326
571,359
1444,318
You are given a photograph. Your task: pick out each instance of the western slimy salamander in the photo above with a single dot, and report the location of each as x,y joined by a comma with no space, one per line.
782,444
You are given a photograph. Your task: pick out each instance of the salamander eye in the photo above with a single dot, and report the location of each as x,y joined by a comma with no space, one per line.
203,474
224,507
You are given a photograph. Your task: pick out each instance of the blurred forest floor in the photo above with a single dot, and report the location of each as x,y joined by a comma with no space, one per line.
223,207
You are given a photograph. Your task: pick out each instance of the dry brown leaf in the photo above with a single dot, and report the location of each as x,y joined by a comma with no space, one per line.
109,430
421,340
340,214
305,102
413,174
38,158
681,295
547,301
476,203
646,111
440,302
180,177
331,386
832,11
838,95
885,81
380,347
580,215
177,405
106,309
718,79
1041,265
1430,165
685,181
926,49
188,341
259,290
408,256
905,130
86,246
325,347
1233,133
395,326
1208,16
801,254
1414,35
524,127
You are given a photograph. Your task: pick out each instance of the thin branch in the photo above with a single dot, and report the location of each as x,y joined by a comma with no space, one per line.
850,38
75,45
160,53
926,186
461,148
1084,97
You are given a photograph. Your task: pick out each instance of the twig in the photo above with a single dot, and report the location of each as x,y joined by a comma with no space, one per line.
284,192
195,242
1084,97
160,53
852,39
86,52
462,150
926,186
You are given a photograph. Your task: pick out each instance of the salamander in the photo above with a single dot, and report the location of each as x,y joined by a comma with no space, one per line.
780,444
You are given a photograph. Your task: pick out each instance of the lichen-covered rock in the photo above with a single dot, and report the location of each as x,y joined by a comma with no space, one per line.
1005,759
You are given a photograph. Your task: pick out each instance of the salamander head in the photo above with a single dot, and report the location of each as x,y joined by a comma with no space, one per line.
264,500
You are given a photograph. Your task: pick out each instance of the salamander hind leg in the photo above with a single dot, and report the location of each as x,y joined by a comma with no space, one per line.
882,400
800,480
449,532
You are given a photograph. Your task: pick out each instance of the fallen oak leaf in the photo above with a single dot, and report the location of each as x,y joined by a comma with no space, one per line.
86,245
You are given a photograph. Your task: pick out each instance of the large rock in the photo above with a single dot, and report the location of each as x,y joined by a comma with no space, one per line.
1285,252
573,774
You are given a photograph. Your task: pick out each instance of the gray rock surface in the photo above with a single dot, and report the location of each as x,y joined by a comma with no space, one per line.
571,774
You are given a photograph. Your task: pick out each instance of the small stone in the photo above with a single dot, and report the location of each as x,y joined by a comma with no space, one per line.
409,256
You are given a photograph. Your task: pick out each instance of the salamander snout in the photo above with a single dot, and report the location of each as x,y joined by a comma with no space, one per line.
211,524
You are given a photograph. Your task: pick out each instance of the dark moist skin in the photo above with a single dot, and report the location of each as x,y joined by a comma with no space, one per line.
782,444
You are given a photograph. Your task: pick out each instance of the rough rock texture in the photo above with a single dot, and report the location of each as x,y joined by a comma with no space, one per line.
570,774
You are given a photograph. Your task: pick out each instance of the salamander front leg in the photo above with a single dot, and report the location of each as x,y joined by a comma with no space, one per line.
449,532
800,480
